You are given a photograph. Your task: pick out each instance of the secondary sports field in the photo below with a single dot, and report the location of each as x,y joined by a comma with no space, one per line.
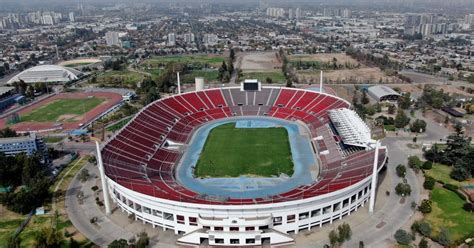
232,152
62,110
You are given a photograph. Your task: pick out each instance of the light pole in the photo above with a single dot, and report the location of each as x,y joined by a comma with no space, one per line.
105,189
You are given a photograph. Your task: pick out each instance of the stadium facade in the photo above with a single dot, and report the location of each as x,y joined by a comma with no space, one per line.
140,165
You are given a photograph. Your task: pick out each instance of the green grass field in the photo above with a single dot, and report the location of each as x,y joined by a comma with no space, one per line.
208,75
276,76
119,124
67,108
232,152
441,172
447,212
118,78
202,59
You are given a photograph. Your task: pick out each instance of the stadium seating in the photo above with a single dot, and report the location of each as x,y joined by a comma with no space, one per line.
137,157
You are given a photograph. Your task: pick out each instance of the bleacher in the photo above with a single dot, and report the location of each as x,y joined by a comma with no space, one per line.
137,158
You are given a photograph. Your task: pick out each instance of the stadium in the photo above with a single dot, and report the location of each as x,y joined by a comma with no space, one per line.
241,166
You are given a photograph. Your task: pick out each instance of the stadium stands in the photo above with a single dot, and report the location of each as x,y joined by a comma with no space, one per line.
138,159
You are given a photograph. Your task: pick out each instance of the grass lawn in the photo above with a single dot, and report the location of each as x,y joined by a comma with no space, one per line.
52,139
208,75
118,78
52,111
9,221
447,212
155,73
119,124
276,76
231,152
211,60
441,172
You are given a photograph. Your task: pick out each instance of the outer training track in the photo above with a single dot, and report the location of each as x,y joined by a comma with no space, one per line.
111,99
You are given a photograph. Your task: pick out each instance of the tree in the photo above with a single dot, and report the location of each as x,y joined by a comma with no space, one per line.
403,189
365,98
333,237
401,119
425,206
425,229
73,243
414,162
404,101
48,237
83,175
427,165
7,133
361,244
418,126
345,232
429,183
444,237
391,109
401,170
143,240
402,237
423,243
340,236
31,91
232,54
121,243
460,170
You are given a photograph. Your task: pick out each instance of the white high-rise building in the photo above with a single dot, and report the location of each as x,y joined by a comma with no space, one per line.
346,13
112,38
171,39
210,39
290,14
47,20
189,38
468,22
71,17
276,12
298,13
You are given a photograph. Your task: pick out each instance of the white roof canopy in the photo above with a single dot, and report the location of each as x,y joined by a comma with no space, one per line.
351,127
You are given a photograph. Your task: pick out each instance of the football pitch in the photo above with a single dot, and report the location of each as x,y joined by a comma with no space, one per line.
233,152
62,110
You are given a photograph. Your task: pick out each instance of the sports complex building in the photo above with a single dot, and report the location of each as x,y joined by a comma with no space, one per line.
47,74
152,166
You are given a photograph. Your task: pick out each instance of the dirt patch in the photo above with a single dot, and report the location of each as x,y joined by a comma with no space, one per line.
80,61
260,62
343,91
453,90
409,88
362,75
325,57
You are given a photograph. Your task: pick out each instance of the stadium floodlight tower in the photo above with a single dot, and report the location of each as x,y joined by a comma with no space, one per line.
374,178
321,83
105,189
179,83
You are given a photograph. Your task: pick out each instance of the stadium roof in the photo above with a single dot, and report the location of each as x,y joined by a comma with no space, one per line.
381,91
4,90
351,127
47,74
